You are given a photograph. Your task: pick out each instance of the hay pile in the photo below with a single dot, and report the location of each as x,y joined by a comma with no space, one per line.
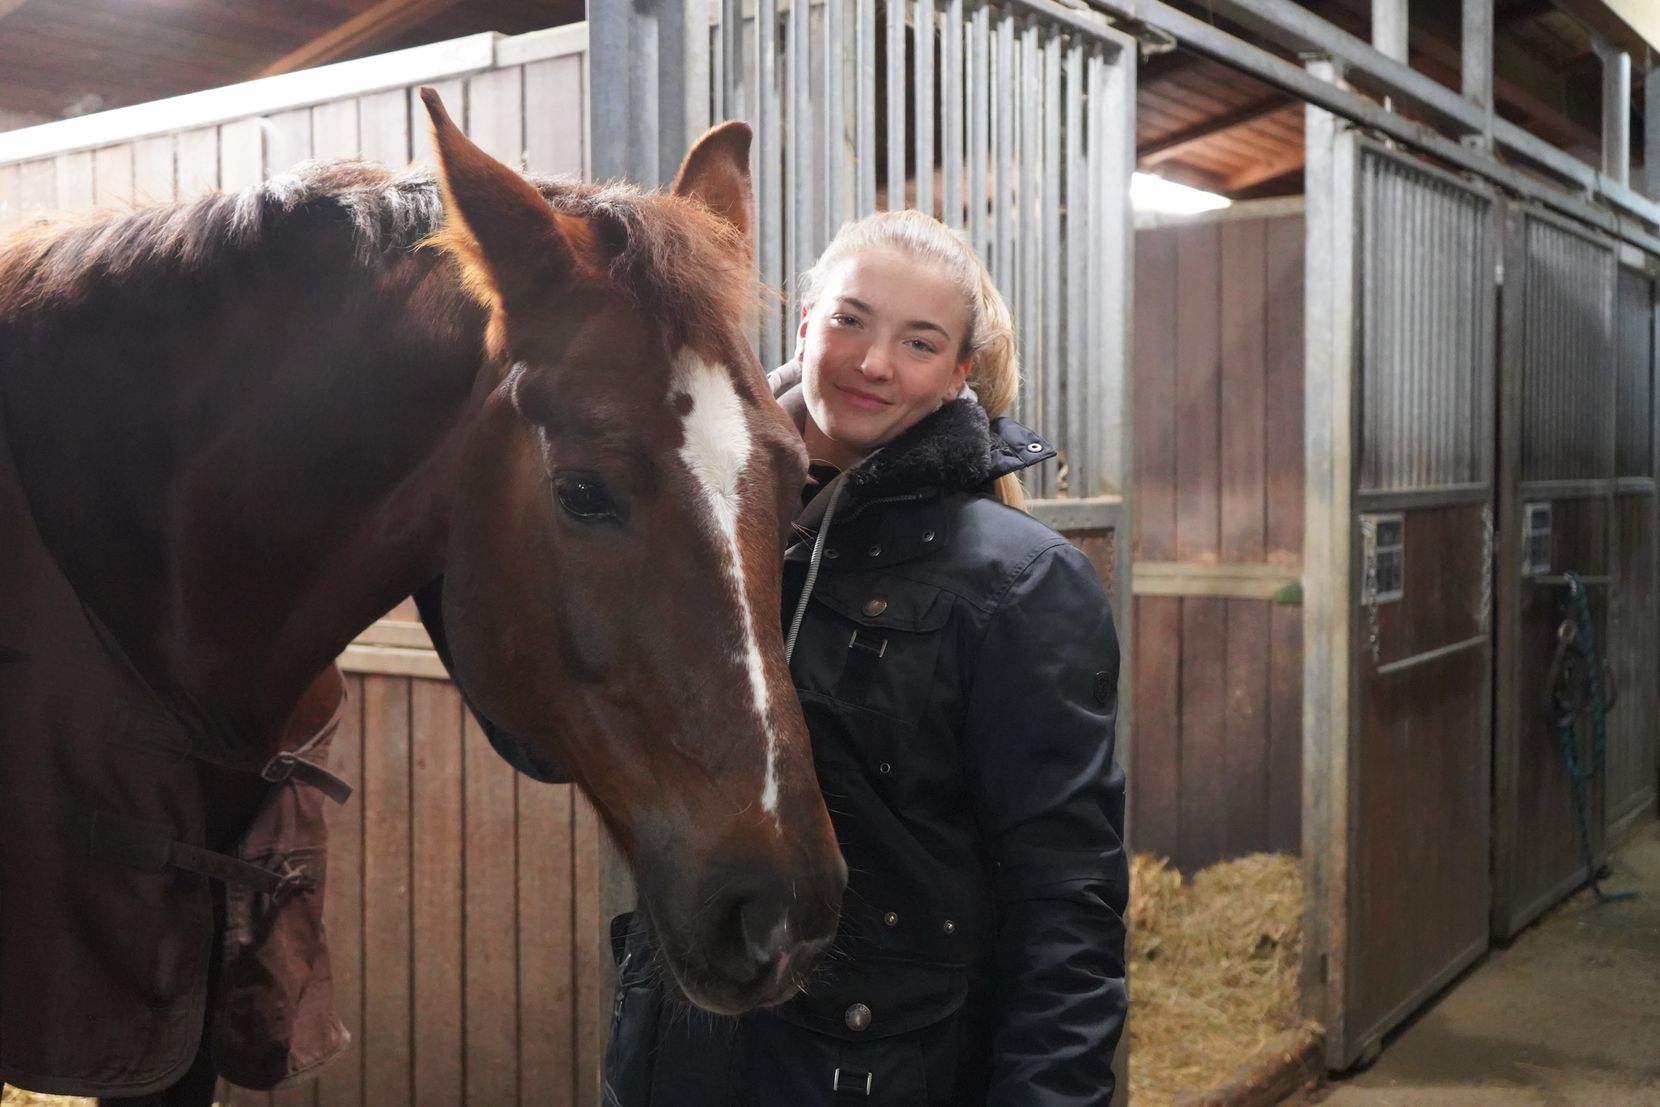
1213,969
16,1097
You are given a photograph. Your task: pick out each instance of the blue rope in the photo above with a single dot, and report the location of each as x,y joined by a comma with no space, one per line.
1566,717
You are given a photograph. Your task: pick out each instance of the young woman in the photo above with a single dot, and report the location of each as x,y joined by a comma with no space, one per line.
958,668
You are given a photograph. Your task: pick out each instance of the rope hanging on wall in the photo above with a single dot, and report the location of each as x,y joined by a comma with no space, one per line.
1576,683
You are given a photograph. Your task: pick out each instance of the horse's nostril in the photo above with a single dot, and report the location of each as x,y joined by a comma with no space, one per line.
765,929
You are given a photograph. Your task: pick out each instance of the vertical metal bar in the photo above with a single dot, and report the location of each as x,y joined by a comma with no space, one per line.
1616,111
923,37
798,148
835,123
895,96
1002,146
951,117
1075,241
1049,255
1651,133
1389,28
1477,79
682,82
1328,564
767,150
1028,160
1084,479
978,82
732,59
864,113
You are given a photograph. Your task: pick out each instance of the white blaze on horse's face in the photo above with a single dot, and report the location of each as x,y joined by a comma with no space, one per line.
718,448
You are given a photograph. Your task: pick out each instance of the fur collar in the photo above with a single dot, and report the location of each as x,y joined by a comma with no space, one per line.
949,449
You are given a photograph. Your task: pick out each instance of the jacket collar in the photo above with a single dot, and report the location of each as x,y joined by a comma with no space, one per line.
954,448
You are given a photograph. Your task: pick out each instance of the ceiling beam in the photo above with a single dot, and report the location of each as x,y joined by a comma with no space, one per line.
1522,12
385,19
1521,82
1170,146
1261,172
1599,18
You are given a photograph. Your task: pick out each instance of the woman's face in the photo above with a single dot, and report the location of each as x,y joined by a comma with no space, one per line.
878,352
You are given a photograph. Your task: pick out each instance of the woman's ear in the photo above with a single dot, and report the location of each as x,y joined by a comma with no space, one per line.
959,377
801,332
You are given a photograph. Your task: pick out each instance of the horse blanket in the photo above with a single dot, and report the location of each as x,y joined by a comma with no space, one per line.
111,963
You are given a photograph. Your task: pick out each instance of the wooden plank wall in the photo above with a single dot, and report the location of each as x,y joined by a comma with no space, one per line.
463,906
1217,762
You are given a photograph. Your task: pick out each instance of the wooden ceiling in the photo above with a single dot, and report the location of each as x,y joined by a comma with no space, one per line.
67,57
1198,122
1203,124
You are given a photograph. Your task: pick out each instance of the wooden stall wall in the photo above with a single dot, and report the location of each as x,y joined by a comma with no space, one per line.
1217,764
464,901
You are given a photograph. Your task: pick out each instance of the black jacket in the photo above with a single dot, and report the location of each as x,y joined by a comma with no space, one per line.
958,669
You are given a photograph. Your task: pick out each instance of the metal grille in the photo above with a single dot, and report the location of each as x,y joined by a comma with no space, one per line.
1567,357
1634,362
1427,302
1002,118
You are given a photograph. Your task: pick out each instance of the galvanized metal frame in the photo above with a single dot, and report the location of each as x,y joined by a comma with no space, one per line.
1333,572
1029,91
1287,24
1508,915
1331,431
1618,824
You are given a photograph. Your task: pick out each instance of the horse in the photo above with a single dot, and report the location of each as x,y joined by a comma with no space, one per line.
235,431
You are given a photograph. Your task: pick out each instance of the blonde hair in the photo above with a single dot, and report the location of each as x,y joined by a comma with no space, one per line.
989,337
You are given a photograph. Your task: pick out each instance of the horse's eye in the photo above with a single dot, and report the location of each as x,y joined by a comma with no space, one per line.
586,498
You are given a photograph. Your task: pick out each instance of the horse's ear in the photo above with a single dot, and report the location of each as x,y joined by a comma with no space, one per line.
716,173
500,227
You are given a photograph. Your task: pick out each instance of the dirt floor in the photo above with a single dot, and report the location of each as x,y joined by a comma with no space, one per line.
1568,1016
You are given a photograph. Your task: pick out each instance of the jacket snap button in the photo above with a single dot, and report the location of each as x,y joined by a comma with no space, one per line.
857,1017
950,927
875,606
1035,447
876,551
891,918
884,767
927,536
830,555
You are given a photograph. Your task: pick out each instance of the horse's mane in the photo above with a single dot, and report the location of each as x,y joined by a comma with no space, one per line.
675,259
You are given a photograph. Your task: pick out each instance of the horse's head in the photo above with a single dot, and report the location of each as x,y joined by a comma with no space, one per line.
611,588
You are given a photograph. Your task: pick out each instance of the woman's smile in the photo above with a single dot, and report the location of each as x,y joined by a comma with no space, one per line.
857,397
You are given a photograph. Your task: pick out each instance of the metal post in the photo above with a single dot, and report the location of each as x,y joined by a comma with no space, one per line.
649,120
1389,24
1651,132
1616,110
1329,435
1478,66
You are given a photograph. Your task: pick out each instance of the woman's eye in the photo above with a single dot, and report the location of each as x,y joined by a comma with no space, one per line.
586,498
844,320
921,347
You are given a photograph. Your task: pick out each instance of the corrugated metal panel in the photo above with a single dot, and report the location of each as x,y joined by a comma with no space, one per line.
1634,361
1010,109
1568,355
1427,289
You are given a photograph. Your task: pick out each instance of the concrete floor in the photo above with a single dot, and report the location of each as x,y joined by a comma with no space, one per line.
1568,1016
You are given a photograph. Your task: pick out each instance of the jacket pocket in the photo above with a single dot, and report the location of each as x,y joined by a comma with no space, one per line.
873,643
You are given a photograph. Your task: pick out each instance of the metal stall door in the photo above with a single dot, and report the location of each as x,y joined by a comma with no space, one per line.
1402,295
1557,439
1634,614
